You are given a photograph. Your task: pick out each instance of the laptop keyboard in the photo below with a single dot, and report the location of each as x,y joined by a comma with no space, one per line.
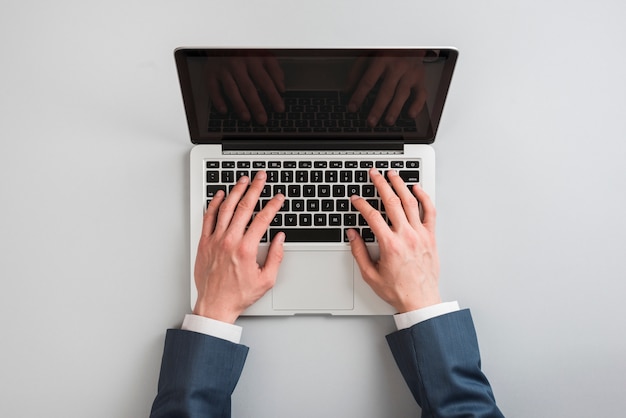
317,192
311,113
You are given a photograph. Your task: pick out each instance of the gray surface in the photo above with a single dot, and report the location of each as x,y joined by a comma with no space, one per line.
94,209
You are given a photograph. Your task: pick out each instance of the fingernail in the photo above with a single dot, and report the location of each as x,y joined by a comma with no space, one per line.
260,175
351,233
243,179
392,173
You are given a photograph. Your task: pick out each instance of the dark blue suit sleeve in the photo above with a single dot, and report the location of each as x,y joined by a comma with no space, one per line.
440,361
198,376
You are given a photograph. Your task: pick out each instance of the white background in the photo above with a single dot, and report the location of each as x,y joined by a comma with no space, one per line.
94,205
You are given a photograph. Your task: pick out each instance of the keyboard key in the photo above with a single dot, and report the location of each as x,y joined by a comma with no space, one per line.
367,235
412,176
309,234
212,189
305,219
297,205
323,190
291,219
228,176
312,205
354,189
360,176
212,176
308,190
339,190
328,205
293,190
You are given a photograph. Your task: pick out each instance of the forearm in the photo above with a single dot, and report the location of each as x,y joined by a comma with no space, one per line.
198,375
440,361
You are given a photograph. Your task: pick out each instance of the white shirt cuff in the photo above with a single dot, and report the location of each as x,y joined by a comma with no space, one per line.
408,319
212,327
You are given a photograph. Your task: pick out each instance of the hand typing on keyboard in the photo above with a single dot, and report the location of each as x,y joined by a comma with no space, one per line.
241,78
401,81
227,276
407,274
229,280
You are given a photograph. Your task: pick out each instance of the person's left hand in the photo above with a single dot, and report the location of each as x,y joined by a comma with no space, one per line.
400,77
227,275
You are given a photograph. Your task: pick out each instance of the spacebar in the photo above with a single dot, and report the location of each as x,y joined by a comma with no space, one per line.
308,234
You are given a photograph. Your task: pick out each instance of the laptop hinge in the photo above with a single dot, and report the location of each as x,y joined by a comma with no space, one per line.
393,145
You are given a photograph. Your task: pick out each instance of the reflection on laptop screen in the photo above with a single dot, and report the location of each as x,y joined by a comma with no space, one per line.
290,93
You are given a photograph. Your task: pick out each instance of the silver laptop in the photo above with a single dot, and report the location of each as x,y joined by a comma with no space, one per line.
315,120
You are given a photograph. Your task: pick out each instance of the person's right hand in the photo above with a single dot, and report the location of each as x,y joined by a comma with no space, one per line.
240,78
407,273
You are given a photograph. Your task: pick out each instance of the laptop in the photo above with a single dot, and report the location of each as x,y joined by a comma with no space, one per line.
316,120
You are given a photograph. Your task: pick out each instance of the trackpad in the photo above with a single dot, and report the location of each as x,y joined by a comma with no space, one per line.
315,280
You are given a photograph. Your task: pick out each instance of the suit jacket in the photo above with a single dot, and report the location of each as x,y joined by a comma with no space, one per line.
438,358
440,362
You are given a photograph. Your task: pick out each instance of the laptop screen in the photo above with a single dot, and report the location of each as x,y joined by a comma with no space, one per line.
289,94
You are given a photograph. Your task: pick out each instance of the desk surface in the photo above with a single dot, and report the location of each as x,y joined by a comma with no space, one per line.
94,225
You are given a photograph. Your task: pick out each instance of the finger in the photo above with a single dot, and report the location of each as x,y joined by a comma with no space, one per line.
232,91
367,83
373,217
265,82
262,220
227,208
393,204
274,258
355,73
215,94
402,94
210,216
361,255
277,74
428,208
418,102
383,98
250,94
245,206
409,202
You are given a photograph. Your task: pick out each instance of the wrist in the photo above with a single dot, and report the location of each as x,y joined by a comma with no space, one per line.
219,314
413,304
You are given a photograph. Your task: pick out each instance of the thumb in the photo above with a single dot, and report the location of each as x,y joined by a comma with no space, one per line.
360,253
274,256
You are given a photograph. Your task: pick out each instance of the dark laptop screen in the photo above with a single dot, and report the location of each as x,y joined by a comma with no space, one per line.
314,93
